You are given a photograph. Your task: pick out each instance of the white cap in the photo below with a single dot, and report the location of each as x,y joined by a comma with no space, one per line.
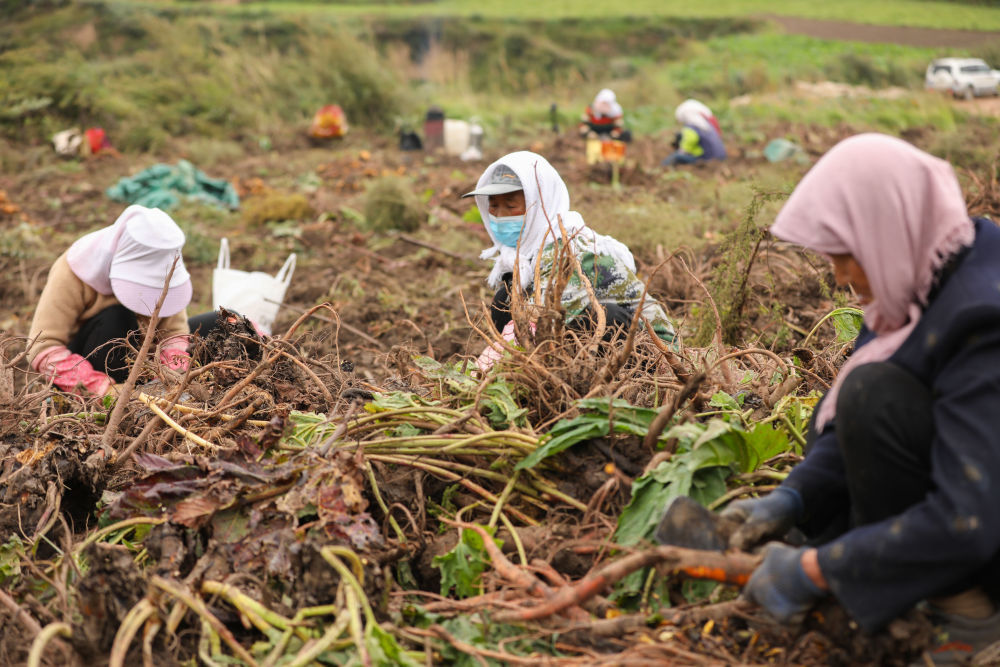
146,250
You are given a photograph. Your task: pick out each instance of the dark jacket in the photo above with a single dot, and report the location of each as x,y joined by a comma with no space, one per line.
879,570
712,144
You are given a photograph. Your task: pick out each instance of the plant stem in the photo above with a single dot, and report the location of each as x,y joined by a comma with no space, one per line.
48,633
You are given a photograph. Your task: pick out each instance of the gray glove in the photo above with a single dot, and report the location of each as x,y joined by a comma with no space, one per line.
781,586
764,518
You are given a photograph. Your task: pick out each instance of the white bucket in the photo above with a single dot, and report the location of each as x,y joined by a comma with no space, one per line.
456,136
254,294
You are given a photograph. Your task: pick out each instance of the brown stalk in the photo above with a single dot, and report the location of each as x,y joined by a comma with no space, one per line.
731,568
118,413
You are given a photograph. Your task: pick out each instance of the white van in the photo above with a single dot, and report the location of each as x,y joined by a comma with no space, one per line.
963,77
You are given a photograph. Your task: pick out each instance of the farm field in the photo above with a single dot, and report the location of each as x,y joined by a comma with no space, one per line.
940,15
349,491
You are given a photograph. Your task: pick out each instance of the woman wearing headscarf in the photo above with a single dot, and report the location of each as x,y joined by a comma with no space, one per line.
99,290
522,201
900,488
700,137
604,118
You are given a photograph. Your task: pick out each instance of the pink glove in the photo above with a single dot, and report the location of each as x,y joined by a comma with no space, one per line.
494,351
174,354
258,329
70,372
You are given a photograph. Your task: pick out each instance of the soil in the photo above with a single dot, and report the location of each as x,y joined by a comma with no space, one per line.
252,510
862,32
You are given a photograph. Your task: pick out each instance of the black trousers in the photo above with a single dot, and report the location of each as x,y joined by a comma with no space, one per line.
617,319
885,430
98,340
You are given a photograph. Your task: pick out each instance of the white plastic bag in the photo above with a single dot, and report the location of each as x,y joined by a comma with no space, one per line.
68,142
253,294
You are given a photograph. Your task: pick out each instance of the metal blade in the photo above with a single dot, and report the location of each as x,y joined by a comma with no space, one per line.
687,523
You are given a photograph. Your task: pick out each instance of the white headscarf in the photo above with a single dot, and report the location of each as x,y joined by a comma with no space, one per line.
606,104
113,260
546,199
696,114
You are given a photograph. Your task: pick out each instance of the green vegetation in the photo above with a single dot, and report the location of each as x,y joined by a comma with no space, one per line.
151,75
939,14
148,76
391,203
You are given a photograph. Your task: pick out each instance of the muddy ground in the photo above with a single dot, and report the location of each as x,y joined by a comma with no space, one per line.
237,504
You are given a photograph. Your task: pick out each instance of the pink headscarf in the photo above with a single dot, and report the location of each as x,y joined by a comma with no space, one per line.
899,212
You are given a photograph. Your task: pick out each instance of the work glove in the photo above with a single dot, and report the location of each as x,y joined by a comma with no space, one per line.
70,372
764,518
676,143
781,586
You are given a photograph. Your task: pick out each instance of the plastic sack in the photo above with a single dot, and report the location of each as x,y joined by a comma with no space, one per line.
254,294
68,142
779,150
329,122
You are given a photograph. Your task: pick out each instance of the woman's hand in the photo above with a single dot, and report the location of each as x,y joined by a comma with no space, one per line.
764,518
781,584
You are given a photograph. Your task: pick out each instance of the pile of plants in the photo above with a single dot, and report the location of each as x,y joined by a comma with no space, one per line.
271,507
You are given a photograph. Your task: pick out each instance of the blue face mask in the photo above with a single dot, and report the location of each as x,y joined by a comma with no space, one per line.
507,230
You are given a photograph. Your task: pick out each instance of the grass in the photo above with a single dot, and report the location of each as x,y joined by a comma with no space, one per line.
915,13
215,83
227,80
147,76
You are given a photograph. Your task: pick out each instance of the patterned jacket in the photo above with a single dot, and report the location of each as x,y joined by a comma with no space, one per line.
614,285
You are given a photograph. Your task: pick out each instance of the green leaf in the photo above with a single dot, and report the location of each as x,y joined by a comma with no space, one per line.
765,442
650,497
600,417
478,631
384,649
619,410
571,433
11,554
724,401
352,214
499,398
456,380
462,567
472,215
847,322
676,477
501,408
709,484
396,400
695,590
406,431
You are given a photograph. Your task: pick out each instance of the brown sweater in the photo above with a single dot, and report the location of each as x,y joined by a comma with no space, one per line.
67,302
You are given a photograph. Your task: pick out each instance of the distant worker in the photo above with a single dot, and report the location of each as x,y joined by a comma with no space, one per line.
329,122
700,137
523,203
604,118
98,291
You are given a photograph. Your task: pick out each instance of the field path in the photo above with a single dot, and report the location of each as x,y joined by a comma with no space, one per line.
863,32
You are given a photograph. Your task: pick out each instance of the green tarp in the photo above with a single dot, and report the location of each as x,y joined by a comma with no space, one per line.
163,186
